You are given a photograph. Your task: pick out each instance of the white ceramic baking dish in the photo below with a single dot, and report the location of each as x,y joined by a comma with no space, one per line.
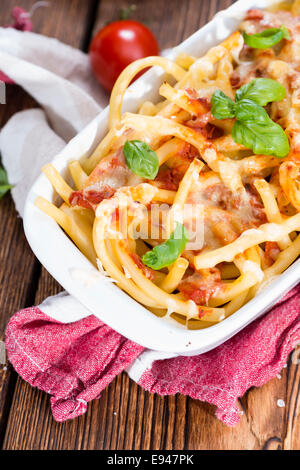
76,274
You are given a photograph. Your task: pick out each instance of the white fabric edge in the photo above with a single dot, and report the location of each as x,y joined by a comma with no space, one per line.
144,362
64,308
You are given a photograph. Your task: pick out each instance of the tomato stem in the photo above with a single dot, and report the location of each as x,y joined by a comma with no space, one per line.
126,12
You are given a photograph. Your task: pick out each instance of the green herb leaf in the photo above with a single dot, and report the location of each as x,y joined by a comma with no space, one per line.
255,130
167,253
262,91
222,107
267,38
141,160
4,184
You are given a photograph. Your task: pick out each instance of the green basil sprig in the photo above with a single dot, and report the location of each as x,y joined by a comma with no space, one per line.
140,159
166,253
222,107
267,38
253,127
4,184
262,91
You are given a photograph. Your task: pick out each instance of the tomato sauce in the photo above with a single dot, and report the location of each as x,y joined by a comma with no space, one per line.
169,179
90,198
272,251
199,287
148,272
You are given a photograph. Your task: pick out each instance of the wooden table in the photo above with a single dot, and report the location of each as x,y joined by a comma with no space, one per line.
125,417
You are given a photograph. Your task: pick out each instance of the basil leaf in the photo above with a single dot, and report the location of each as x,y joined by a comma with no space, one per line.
262,91
222,107
140,159
167,253
247,110
4,184
267,38
255,130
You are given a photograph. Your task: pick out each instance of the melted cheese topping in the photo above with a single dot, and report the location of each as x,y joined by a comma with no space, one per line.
255,269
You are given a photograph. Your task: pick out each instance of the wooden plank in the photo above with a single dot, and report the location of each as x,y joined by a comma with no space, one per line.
171,22
17,279
127,417
292,411
276,427
20,269
15,256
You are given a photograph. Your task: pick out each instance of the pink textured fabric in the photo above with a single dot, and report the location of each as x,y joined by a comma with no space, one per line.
22,22
250,358
75,362
72,362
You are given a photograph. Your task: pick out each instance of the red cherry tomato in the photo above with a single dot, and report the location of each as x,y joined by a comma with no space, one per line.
117,45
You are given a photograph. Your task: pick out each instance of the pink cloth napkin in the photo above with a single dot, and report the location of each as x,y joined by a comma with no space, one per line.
74,362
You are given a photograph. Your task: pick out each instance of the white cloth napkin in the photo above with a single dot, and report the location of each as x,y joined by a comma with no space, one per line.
61,81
